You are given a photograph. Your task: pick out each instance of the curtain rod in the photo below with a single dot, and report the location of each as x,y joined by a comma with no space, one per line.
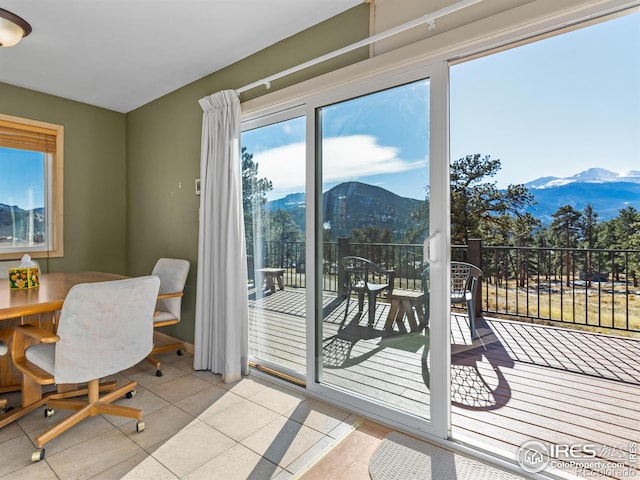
429,19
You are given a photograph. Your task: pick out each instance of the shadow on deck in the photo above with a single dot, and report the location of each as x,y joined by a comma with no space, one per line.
517,382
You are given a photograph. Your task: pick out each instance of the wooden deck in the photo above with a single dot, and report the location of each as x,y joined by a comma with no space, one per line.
517,382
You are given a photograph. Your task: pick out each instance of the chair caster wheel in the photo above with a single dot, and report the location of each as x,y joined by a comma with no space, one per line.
5,410
130,394
159,373
140,426
38,455
48,412
179,353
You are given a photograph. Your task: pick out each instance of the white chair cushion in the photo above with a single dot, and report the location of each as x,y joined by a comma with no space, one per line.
3,349
172,273
163,317
43,356
104,328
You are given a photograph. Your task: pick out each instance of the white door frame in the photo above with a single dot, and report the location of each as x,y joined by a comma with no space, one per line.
439,424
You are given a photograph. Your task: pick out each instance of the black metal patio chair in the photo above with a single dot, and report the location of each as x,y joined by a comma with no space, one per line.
366,278
464,285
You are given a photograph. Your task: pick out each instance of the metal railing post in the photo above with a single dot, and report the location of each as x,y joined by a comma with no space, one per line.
343,251
474,254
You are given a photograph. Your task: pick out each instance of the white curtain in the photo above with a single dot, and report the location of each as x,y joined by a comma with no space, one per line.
221,330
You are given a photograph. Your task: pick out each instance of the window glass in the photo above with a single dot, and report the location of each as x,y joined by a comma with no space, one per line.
30,188
273,193
375,164
22,199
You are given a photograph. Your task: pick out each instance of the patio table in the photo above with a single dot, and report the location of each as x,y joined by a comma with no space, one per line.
409,304
271,275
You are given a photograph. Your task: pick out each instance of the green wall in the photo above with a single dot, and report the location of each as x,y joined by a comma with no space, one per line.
129,194
94,178
163,147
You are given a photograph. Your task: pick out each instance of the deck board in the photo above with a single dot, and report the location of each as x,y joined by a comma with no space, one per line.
518,382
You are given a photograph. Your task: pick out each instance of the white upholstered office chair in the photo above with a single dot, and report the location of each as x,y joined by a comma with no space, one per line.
104,328
172,273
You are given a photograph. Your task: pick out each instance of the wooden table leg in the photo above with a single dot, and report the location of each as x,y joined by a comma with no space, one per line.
270,285
259,281
407,304
408,308
393,313
420,314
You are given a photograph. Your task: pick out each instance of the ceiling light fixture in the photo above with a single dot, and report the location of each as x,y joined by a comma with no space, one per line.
12,28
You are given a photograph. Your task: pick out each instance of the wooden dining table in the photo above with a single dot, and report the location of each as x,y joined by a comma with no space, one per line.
37,306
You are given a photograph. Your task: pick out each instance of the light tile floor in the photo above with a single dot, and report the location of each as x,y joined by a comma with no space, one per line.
196,428
199,428
350,459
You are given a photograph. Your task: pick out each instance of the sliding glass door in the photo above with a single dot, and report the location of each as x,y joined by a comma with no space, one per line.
346,215
273,176
378,330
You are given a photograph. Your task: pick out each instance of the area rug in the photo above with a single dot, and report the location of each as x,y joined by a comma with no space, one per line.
400,457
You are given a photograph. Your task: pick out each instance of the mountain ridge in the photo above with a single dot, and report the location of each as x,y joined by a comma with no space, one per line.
15,221
608,192
591,175
353,205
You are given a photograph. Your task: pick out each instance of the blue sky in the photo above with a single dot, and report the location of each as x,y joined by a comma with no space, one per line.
555,107
380,139
21,178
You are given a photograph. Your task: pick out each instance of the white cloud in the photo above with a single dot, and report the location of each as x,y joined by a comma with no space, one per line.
344,158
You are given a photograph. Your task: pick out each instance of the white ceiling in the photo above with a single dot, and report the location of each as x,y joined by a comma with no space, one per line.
121,54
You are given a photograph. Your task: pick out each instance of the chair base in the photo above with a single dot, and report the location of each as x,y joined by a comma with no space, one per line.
161,349
371,319
94,405
14,414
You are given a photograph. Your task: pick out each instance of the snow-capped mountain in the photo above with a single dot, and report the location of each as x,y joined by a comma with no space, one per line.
608,192
592,175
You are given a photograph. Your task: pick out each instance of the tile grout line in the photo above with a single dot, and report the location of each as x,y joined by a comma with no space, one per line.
322,454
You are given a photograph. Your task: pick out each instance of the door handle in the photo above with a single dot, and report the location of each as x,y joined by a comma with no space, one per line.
431,248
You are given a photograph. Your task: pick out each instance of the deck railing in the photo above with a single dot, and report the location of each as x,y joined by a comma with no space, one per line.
588,287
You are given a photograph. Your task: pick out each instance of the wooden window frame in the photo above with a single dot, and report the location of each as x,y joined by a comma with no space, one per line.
55,183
